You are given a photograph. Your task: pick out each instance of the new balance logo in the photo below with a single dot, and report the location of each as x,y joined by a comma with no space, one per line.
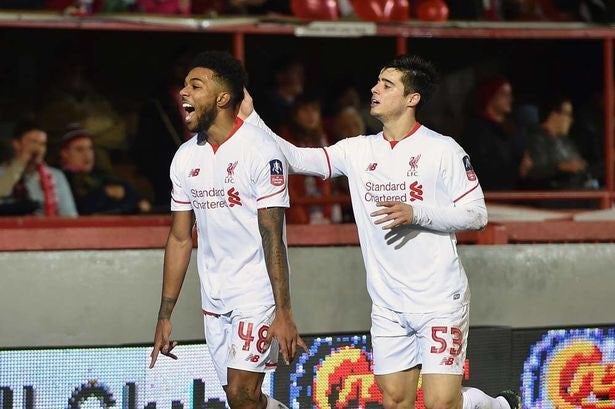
194,172
371,167
233,197
448,361
253,358
416,191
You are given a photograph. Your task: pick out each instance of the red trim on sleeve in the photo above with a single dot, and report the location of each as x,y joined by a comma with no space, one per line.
328,162
272,194
455,201
177,201
213,314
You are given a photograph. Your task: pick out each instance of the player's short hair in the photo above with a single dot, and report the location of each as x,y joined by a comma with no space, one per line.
418,75
23,126
228,71
550,104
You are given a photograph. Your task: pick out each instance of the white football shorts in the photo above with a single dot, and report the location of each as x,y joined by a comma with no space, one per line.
237,340
435,340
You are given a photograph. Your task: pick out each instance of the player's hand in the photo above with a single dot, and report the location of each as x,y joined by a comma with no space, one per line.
283,329
247,105
398,213
162,344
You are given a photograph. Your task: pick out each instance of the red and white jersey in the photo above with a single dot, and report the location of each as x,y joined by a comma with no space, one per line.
225,186
411,268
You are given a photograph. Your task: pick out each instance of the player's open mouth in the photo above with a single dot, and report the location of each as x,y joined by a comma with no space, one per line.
189,112
374,102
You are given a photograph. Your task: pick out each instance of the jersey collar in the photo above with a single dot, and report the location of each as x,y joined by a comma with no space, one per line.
412,131
202,136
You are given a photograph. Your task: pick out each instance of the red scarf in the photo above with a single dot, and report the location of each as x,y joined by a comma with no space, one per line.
49,190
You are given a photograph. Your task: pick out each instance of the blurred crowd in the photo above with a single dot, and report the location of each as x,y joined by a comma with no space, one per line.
597,11
547,145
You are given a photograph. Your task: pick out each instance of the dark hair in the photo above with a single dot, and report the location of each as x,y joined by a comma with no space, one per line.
418,75
227,69
550,104
24,126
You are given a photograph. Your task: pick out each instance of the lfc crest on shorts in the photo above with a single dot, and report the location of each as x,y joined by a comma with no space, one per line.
277,172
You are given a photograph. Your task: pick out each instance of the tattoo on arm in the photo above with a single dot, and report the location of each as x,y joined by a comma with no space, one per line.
166,307
270,224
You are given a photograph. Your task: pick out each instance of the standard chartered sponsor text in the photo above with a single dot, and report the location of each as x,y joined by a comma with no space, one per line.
380,192
214,198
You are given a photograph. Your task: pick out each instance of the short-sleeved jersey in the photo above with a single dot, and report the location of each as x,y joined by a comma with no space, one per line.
409,269
225,186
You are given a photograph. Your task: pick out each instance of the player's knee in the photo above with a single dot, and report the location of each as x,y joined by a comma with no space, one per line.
396,399
241,396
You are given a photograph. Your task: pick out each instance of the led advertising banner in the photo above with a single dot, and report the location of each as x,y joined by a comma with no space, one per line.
552,369
570,369
110,378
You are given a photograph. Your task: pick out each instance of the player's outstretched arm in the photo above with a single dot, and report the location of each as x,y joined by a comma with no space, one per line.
283,328
305,161
176,258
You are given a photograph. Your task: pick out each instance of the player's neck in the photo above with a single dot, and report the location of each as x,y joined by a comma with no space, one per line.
398,129
221,129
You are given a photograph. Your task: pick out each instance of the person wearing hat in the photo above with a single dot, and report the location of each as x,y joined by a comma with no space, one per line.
27,184
95,191
490,140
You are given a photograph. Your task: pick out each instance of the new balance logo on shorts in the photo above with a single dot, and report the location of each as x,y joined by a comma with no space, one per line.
253,358
448,361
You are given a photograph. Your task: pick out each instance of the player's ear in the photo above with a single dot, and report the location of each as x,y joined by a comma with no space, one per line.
223,99
412,99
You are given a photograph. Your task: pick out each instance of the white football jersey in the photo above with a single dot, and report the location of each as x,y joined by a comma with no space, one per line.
225,186
410,268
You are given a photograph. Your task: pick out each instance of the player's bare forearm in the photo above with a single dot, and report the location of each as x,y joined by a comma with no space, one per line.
270,224
176,258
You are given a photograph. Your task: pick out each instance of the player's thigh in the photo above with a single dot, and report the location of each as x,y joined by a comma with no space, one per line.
218,340
249,351
442,391
443,340
399,388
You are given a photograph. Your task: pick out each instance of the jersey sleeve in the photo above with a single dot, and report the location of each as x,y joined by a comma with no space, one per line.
321,162
180,199
460,179
270,178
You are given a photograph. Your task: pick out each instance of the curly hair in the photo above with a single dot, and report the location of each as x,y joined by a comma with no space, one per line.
228,71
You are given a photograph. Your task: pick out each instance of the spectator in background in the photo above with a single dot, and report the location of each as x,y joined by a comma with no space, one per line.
289,79
346,95
95,191
555,162
27,184
588,134
346,123
489,138
73,99
160,131
305,129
